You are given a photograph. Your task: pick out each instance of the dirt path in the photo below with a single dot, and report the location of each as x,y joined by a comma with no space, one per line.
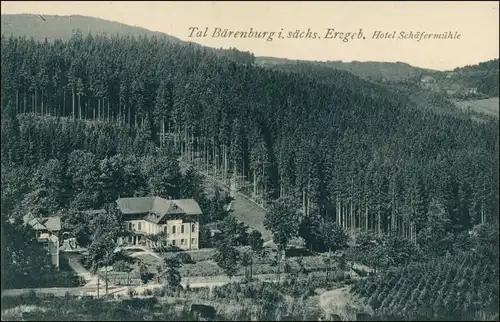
243,207
74,263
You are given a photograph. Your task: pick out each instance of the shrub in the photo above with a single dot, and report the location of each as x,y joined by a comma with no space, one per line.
132,292
185,258
159,292
145,275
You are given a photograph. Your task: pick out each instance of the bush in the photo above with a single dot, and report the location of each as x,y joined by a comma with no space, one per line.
159,292
145,275
132,292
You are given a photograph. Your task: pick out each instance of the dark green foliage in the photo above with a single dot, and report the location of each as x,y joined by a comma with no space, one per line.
145,275
205,237
283,219
233,232
25,264
255,240
462,287
105,228
343,147
436,237
173,276
323,234
227,257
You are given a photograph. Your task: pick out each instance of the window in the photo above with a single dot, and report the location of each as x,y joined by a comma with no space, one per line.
193,240
173,229
165,229
130,226
183,241
193,227
173,242
182,229
139,226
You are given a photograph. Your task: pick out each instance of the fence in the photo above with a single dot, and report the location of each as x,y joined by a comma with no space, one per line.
120,278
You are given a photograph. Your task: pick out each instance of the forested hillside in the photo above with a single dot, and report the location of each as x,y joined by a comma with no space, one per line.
459,288
346,149
53,27
484,76
376,71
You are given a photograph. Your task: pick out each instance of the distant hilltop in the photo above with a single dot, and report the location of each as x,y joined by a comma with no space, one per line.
61,27
50,27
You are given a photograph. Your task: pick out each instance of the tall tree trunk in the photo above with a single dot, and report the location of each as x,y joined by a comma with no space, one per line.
129,119
79,107
366,218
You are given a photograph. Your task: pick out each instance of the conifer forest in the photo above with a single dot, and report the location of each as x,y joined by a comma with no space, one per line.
94,118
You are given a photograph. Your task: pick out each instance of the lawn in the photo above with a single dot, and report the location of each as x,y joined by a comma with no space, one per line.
251,214
488,106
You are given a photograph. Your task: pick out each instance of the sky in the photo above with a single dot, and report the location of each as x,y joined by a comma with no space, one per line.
476,22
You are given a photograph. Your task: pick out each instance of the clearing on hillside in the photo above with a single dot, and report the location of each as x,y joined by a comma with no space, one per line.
488,106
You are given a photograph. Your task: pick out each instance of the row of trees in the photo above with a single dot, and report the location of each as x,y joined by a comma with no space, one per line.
462,287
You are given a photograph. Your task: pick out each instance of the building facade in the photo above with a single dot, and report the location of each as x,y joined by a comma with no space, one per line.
155,221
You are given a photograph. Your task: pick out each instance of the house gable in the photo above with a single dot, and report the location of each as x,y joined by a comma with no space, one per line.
47,223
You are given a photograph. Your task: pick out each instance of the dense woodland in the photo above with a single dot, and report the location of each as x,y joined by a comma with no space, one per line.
91,119
346,149
484,76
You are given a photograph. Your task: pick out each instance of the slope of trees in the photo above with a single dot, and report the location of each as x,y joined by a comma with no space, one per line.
342,148
376,71
461,288
484,76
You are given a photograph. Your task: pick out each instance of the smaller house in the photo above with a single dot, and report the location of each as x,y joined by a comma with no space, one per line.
43,225
47,232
